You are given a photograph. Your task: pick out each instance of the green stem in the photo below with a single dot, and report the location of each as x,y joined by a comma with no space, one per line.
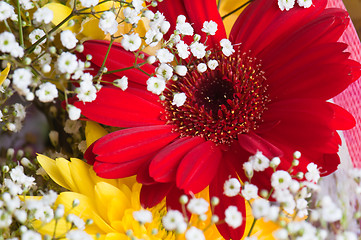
127,68
32,47
235,10
7,26
106,55
219,4
250,230
20,22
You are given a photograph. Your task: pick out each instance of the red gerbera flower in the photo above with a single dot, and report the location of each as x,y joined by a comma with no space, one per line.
269,96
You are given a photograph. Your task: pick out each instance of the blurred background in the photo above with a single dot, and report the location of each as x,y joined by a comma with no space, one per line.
354,8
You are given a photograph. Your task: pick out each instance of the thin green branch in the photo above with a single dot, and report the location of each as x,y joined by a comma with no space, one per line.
250,230
235,10
219,4
20,22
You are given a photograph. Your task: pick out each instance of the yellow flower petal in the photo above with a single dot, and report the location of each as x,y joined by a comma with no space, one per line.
52,170
228,6
4,74
80,173
90,28
61,12
93,131
63,166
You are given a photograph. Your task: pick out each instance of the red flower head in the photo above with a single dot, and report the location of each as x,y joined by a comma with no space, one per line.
268,96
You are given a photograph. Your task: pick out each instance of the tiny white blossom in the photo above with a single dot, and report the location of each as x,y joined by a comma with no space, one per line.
272,214
6,11
172,220
47,92
138,5
198,50
301,205
329,211
77,221
260,207
249,191
248,169
131,15
181,19
131,42
164,71
20,111
198,206
281,179
202,67
35,35
286,4
212,64
67,63
304,3
89,3
68,39
194,233
122,83
143,216
43,15
7,41
227,47
185,29
155,85
233,217
108,23
259,161
181,70
86,92
182,49
231,187
164,55
210,27
179,99
313,174
30,235
74,112
20,215
152,37
78,235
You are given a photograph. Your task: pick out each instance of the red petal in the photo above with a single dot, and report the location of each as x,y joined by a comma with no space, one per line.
119,108
226,171
118,58
122,169
151,195
163,166
198,167
132,143
196,12
253,143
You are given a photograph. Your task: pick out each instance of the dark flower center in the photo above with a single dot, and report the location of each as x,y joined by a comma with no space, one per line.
221,103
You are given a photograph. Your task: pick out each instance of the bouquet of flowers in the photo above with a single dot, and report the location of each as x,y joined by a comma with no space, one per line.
179,119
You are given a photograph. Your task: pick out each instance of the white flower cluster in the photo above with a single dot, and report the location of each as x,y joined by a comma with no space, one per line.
288,4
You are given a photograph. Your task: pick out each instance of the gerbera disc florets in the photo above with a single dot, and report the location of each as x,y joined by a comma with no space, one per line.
221,103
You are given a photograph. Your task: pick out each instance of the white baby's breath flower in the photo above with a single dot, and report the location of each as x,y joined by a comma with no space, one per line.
179,99
35,35
231,187
313,174
74,112
30,235
164,71
210,27
164,55
155,85
108,23
86,92
152,37
67,63
68,39
78,235
185,28
43,15
182,49
259,161
77,221
172,220
20,111
227,47
181,70
198,206
249,191
164,27
131,42
198,50
7,41
122,83
202,67
260,207
47,92
131,15
248,169
281,179
304,3
143,216
212,64
286,4
233,217
194,233
6,11
89,3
